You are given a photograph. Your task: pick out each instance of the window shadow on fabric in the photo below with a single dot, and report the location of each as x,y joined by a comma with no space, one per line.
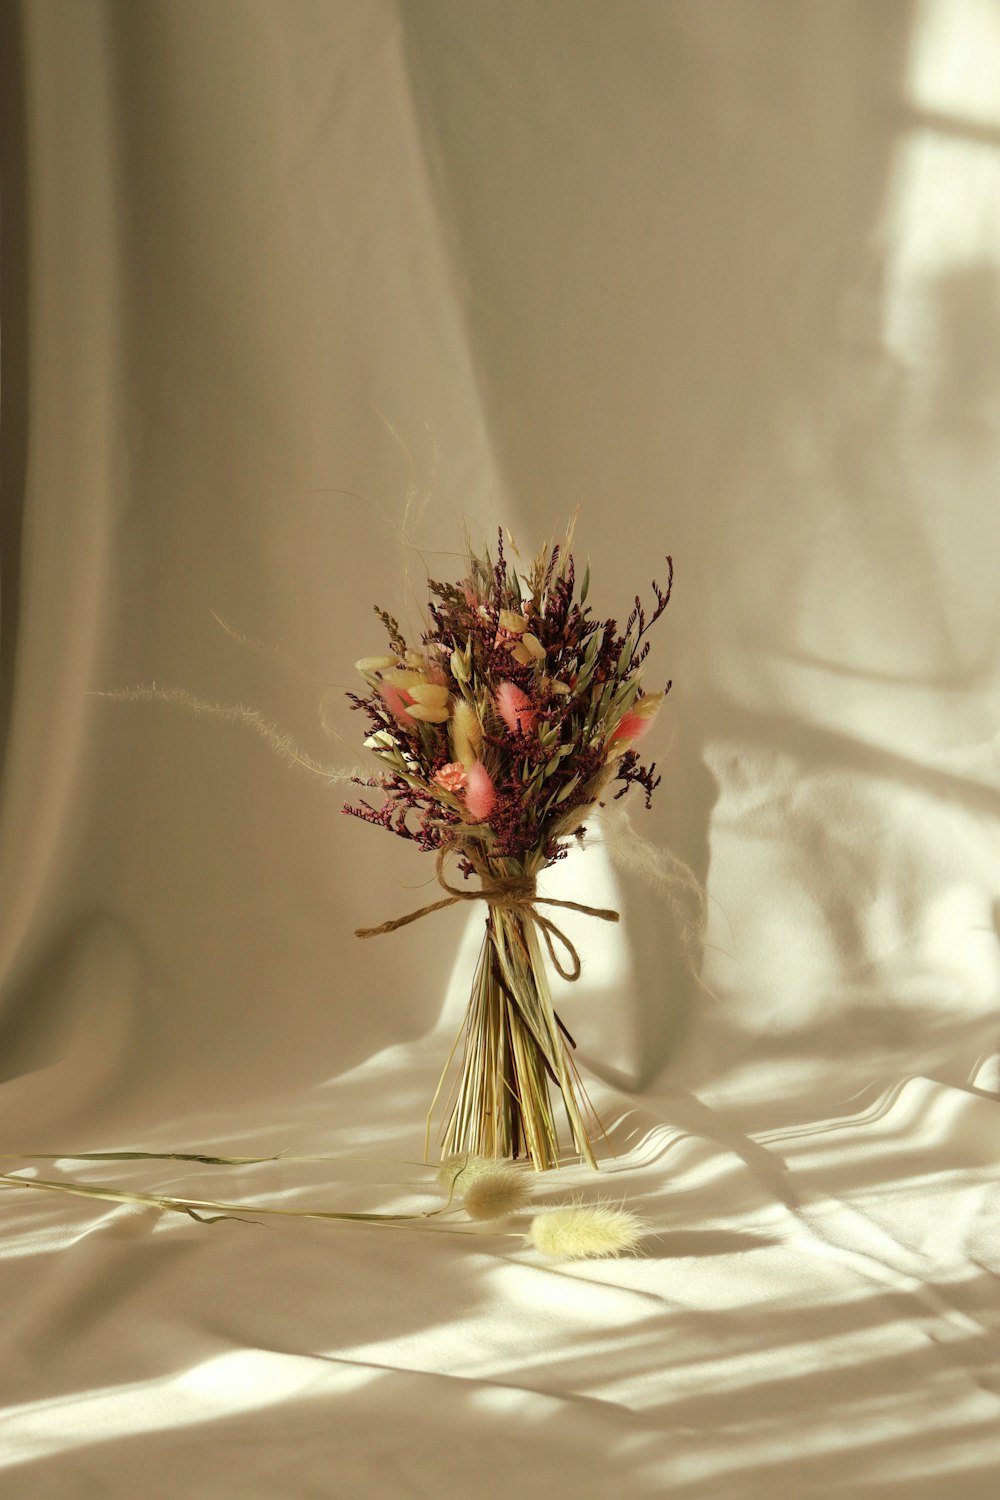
704,279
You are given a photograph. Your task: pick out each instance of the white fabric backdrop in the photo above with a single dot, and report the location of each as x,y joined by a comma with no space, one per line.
726,277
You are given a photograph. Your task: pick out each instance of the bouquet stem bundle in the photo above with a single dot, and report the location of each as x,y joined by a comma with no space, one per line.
515,1046
514,1041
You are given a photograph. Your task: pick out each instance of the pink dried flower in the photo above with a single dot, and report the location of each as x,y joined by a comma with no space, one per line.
633,724
630,727
480,793
451,777
514,707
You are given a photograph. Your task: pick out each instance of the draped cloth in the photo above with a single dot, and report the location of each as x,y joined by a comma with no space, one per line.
293,291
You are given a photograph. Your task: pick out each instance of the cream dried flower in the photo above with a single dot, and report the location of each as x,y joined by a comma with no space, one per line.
427,715
586,1230
489,1188
429,694
371,664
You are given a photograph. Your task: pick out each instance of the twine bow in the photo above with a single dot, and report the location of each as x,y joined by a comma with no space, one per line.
510,891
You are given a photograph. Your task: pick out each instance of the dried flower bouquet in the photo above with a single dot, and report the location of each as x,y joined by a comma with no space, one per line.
498,736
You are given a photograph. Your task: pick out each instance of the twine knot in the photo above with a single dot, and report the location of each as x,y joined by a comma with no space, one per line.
510,892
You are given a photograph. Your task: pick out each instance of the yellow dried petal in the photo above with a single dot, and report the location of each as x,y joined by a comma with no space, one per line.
374,664
426,715
645,708
514,623
522,656
533,644
430,694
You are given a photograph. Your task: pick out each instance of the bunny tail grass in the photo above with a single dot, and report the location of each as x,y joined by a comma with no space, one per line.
488,1188
586,1231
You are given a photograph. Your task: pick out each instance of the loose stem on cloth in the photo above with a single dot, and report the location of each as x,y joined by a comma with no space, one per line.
193,1206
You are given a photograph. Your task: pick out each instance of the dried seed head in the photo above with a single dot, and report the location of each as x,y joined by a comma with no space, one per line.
480,793
586,1230
489,1188
466,733
514,707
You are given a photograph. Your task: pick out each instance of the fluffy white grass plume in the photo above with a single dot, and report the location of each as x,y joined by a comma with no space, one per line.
586,1230
488,1188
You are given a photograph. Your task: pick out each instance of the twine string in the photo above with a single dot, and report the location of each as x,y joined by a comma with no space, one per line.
512,892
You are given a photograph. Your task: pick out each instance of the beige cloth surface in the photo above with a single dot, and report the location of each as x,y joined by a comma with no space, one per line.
290,288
